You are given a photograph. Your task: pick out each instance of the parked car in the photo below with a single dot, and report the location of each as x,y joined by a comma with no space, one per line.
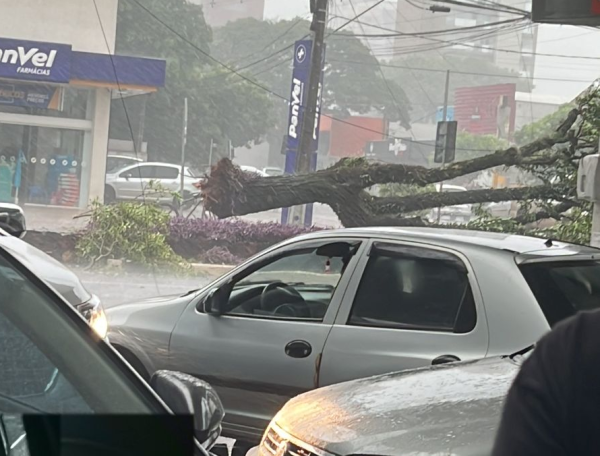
333,306
133,182
272,171
59,277
117,162
53,363
458,213
452,409
253,170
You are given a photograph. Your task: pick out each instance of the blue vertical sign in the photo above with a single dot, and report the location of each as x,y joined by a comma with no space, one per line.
298,99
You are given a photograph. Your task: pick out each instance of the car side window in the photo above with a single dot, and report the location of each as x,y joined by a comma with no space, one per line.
29,381
297,285
139,172
166,172
413,288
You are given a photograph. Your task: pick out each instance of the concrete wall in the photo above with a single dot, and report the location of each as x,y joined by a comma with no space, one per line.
72,22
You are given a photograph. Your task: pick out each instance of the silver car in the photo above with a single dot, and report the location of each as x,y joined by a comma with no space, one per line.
59,277
446,410
134,182
334,306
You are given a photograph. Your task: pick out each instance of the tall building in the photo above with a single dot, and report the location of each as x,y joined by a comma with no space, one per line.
510,46
220,12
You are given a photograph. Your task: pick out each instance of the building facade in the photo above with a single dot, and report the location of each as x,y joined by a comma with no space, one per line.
57,79
219,12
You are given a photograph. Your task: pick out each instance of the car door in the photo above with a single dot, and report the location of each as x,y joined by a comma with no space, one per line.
133,181
266,346
407,306
168,177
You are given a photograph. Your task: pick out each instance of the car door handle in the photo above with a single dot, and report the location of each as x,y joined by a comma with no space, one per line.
445,359
298,349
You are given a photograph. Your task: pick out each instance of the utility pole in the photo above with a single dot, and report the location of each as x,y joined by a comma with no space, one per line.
310,119
444,119
210,155
183,142
140,136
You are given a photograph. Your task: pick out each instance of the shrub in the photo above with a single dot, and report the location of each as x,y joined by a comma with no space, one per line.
133,231
220,255
232,231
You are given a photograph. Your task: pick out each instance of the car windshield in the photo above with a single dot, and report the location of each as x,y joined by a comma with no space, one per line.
39,375
565,287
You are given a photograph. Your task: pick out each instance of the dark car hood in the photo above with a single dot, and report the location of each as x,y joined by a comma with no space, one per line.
63,280
447,410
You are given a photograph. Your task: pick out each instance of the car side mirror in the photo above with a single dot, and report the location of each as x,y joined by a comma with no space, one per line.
215,302
12,220
128,176
187,395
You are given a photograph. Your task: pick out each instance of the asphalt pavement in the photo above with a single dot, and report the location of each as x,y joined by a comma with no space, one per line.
121,287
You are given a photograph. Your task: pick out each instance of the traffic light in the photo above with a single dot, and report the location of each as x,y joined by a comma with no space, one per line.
574,12
445,142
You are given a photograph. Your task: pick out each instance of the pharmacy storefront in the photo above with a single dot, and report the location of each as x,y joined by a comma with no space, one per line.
54,119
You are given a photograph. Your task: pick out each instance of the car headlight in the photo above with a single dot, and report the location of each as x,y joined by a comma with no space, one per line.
98,321
93,312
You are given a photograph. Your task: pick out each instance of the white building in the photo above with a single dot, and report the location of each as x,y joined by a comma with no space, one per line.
56,83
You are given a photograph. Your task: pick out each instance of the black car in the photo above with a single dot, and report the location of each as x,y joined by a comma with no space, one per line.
53,362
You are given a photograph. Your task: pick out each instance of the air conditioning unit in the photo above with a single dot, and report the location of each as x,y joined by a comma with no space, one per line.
587,187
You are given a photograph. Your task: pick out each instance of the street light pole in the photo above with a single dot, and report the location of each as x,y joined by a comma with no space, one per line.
183,142
444,119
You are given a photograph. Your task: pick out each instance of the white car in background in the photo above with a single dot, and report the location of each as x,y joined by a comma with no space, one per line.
133,182
116,162
460,213
253,170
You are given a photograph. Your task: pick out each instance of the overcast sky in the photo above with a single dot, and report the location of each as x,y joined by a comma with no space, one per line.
552,39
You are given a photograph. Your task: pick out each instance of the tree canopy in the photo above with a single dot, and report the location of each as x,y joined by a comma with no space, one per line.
222,106
349,88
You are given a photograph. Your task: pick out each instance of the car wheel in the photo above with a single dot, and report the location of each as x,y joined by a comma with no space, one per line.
110,195
134,362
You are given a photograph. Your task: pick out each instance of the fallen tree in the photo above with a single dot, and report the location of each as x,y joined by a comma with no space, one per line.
230,192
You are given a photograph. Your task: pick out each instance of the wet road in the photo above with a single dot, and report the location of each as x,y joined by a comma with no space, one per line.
117,288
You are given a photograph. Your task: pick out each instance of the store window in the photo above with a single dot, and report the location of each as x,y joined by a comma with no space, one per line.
45,100
41,165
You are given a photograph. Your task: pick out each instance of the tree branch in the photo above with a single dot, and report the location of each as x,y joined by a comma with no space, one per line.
405,204
229,191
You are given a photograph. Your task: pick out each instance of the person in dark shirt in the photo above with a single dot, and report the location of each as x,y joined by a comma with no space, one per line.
553,407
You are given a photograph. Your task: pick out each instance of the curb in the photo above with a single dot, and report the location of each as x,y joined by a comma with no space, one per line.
212,270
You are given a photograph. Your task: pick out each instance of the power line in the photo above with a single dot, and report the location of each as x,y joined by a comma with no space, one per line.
432,32
271,92
391,92
285,32
433,70
135,147
424,36
483,7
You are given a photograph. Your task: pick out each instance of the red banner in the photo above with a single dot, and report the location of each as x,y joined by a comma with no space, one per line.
596,7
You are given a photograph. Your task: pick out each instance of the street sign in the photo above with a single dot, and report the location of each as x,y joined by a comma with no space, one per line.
574,12
439,117
445,142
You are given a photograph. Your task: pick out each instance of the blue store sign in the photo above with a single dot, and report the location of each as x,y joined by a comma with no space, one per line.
33,61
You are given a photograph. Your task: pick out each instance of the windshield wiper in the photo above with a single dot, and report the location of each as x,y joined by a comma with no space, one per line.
521,352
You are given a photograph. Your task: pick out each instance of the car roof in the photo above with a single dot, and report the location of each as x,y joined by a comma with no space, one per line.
166,165
128,157
525,245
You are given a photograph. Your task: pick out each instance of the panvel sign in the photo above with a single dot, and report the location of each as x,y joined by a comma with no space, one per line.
31,96
33,61
298,97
